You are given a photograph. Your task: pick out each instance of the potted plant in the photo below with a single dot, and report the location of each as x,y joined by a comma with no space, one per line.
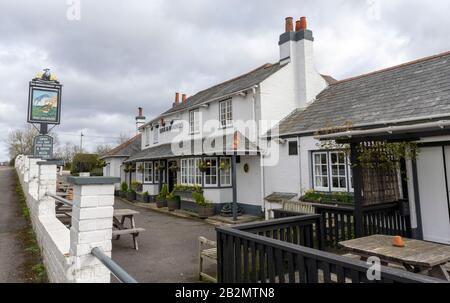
205,208
146,197
173,201
123,189
161,199
140,197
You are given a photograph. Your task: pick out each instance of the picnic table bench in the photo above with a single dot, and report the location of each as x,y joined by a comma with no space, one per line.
119,217
417,256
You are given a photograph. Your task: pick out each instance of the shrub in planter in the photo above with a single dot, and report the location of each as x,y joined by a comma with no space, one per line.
146,197
123,190
140,197
173,202
131,195
185,191
205,209
161,199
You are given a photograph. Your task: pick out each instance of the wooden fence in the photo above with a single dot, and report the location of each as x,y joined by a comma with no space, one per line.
279,251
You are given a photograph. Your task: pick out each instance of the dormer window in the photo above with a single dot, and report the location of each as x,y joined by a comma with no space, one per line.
226,113
194,121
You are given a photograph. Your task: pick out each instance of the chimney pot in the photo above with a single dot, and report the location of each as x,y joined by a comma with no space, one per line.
289,27
177,98
140,111
303,23
183,98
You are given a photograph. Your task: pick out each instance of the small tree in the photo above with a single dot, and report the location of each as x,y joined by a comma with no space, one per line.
84,163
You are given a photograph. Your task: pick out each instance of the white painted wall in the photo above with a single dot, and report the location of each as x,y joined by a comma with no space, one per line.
284,177
115,168
249,184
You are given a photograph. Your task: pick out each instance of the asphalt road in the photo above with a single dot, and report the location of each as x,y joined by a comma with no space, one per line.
168,249
11,223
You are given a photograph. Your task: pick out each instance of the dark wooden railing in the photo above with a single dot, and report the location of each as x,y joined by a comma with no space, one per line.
338,222
272,251
386,219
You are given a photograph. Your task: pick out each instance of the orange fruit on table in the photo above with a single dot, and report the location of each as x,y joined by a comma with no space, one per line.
398,241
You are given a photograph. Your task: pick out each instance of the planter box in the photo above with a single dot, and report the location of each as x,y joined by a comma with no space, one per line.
161,203
173,204
123,194
117,193
131,196
205,212
140,197
185,195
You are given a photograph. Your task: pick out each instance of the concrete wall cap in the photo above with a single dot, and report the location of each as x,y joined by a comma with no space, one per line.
92,180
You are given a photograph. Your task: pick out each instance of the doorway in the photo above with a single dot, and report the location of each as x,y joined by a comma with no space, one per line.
433,173
173,175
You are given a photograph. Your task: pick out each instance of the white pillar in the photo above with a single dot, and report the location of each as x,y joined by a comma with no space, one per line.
47,184
92,220
33,179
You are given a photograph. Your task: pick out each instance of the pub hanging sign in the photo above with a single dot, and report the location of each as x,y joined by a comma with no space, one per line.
43,147
44,99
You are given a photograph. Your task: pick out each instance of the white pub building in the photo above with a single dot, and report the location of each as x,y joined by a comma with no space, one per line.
256,139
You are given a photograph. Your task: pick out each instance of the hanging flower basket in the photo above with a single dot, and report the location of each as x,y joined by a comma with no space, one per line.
224,165
174,167
203,166
141,168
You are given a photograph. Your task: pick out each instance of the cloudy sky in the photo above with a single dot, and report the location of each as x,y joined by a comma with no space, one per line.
124,54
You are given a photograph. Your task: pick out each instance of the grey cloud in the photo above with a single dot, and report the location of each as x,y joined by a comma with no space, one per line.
125,54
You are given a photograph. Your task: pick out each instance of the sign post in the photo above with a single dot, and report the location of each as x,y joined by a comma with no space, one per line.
44,108
43,147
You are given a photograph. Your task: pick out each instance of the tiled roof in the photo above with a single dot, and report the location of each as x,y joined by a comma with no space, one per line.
218,145
408,91
125,149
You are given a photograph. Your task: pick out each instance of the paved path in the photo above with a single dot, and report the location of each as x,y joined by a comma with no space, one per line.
168,249
11,223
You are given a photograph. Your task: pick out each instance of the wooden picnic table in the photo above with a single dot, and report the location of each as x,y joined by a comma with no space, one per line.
119,217
417,256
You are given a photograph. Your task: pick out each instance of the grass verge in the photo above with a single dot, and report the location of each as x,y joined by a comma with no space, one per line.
33,268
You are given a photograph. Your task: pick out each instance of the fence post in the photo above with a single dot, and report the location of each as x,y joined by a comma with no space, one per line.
46,185
92,220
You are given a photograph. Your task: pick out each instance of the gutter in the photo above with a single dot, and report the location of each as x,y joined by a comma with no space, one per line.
388,130
381,122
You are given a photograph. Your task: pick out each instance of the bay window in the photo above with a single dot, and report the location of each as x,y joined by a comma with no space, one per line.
320,170
211,171
338,171
190,172
225,172
331,171
148,172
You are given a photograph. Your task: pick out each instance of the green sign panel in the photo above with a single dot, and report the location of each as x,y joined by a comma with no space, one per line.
43,147
44,104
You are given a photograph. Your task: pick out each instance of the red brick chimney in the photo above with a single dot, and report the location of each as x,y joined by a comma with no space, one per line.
177,99
183,98
303,23
289,27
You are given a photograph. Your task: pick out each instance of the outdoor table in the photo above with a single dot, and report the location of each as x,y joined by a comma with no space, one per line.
119,217
417,256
